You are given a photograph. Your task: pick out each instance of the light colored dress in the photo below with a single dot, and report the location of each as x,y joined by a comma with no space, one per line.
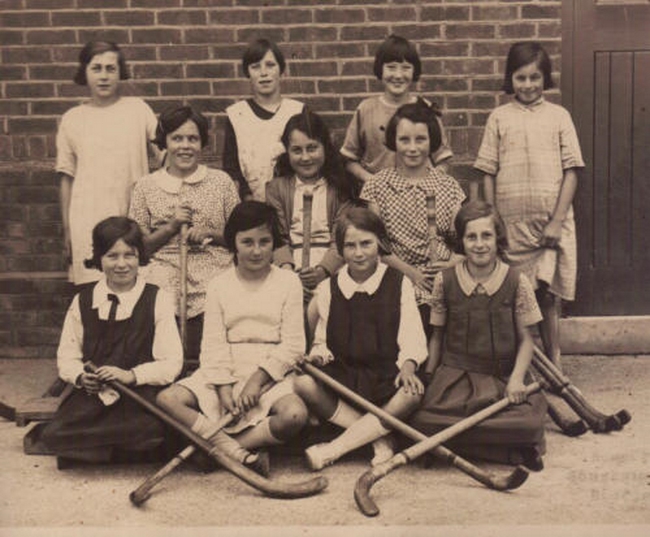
527,149
365,139
105,150
249,326
212,195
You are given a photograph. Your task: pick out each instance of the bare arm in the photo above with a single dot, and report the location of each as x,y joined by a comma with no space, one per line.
65,194
488,189
435,352
553,229
515,387
356,169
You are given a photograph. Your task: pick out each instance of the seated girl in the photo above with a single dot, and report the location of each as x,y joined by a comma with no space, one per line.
126,327
368,337
481,347
253,336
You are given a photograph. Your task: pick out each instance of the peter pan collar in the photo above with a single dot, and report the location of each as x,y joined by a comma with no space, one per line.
128,299
172,184
468,285
348,286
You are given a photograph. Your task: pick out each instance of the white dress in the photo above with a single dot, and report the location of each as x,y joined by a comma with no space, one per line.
105,150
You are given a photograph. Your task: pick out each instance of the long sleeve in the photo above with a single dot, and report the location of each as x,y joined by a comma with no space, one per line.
411,340
69,356
167,348
274,197
231,159
322,300
283,356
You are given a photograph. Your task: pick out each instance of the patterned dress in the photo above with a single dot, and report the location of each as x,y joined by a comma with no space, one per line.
527,149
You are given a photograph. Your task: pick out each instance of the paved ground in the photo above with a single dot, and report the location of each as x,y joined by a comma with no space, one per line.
589,483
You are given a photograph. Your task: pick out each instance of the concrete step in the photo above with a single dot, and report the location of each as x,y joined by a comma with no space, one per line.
621,334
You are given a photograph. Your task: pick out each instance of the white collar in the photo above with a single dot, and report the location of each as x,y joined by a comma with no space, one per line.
128,299
348,286
468,284
172,184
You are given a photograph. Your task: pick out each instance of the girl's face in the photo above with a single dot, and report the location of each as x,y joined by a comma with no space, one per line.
265,75
361,253
306,155
183,149
254,249
412,144
103,76
396,78
480,242
528,83
120,265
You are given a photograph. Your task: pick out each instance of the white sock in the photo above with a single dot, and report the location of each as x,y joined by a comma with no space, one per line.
344,415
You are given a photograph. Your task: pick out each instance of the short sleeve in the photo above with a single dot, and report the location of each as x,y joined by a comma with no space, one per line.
438,305
66,158
569,144
526,308
488,154
353,148
138,210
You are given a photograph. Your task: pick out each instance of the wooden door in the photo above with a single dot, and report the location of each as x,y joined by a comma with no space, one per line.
606,86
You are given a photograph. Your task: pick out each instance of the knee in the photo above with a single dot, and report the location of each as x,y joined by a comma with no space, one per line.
305,387
292,416
168,398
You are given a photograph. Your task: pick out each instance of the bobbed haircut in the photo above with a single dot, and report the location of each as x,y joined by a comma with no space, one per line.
249,215
90,50
173,118
524,53
313,126
397,49
474,210
110,230
417,112
257,50
365,220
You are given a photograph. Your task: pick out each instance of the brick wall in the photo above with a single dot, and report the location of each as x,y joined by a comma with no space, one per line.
188,51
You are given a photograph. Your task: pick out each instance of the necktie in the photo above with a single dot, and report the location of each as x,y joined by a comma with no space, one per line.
113,311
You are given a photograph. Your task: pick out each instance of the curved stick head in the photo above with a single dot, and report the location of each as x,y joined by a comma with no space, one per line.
624,417
511,481
362,494
138,499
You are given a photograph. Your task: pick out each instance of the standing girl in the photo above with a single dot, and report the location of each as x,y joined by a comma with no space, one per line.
101,151
529,155
405,197
481,347
185,192
254,126
368,337
310,166
397,66
126,327
253,337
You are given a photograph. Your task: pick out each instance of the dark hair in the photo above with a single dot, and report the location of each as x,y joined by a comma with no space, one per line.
313,126
248,215
397,49
90,50
257,50
524,53
417,112
363,219
110,230
173,118
479,209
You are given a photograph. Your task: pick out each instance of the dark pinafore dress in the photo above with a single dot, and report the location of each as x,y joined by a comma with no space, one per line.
83,427
479,352
362,336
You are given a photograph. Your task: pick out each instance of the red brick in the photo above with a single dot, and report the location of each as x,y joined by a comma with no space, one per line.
342,86
103,4
142,89
28,90
13,108
209,105
293,86
445,13
227,52
50,37
31,19
184,87
518,30
65,54
25,55
72,90
311,2
339,50
356,33
12,72
286,16
113,34
182,17
415,32
47,4
158,70
494,13
439,84
432,67
18,147
234,16
139,53
540,12
313,68
11,37
495,48
12,177
340,15
261,3
5,149
76,18
357,68
30,194
52,72
469,31
479,118
14,247
208,3
469,66
445,49
246,35
321,104
238,86
551,29
298,51
210,70
392,14
156,35
38,336
36,147
208,35
45,212
185,52
163,104
129,18
157,3
487,84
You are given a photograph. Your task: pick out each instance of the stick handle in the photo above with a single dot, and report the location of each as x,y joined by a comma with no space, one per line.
143,492
183,284
307,201
433,228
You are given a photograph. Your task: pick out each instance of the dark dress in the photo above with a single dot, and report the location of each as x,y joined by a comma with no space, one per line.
362,336
83,427
479,352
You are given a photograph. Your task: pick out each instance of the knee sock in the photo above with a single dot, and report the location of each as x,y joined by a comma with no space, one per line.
225,443
259,435
366,429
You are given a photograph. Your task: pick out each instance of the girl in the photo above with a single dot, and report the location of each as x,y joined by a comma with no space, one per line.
481,347
397,66
368,336
530,151
253,337
185,192
125,327
101,150
400,196
253,127
310,164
